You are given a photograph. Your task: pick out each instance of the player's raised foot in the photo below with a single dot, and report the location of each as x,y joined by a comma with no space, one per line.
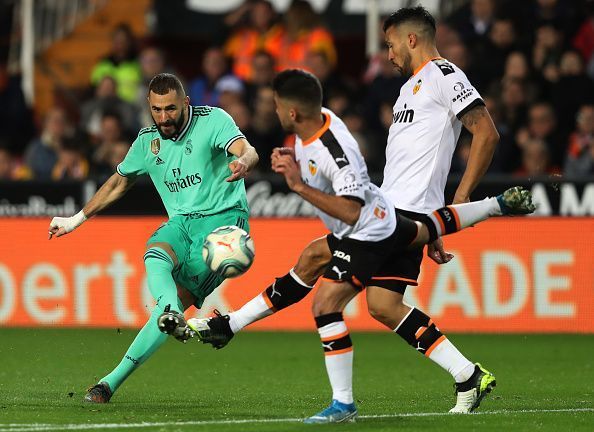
215,330
470,393
99,393
174,324
516,201
337,412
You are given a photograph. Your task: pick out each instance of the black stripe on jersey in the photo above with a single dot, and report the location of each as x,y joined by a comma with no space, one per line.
331,143
147,130
231,141
471,105
201,110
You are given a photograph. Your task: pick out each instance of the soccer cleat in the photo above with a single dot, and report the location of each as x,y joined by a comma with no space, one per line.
99,393
470,393
215,330
174,324
337,412
516,201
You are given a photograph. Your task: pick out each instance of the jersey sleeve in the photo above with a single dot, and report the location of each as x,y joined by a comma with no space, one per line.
134,163
225,131
345,178
455,90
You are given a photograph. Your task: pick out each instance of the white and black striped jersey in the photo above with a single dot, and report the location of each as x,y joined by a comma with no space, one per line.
423,135
332,162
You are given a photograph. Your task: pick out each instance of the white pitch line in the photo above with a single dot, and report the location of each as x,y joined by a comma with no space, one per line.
45,427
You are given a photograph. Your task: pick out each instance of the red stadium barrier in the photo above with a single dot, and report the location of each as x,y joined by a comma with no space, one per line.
509,275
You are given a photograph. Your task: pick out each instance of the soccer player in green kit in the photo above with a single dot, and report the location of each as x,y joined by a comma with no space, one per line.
197,158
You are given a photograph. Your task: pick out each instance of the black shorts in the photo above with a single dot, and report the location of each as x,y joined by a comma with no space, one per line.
365,263
403,266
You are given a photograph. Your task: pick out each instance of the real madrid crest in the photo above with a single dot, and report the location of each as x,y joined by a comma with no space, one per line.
417,86
313,167
189,147
155,146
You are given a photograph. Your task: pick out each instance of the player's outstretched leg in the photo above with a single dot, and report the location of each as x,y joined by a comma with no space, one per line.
220,329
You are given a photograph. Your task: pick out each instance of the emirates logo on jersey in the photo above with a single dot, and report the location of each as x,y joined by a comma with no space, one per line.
313,167
417,87
155,146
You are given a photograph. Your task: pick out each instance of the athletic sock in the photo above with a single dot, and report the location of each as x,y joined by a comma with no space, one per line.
148,340
338,353
158,266
422,334
284,292
453,218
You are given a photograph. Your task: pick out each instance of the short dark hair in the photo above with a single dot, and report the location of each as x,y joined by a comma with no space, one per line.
163,83
299,86
417,15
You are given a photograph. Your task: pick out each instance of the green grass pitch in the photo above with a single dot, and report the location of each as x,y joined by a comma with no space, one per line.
266,381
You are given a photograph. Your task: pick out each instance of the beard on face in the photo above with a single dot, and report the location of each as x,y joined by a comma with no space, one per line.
177,126
405,68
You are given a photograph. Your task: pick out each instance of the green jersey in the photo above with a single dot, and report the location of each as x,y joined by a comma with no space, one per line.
189,171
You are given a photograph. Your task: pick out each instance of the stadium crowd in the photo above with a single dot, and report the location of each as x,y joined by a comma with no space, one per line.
532,61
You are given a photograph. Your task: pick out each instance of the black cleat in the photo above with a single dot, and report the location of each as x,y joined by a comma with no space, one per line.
99,393
215,330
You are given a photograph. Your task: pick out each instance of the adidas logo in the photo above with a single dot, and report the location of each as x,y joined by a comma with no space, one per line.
160,161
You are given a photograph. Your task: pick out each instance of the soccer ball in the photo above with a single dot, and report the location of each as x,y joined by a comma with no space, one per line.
228,251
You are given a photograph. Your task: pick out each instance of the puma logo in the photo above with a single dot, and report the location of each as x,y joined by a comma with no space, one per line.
342,159
328,346
227,245
338,272
419,347
274,291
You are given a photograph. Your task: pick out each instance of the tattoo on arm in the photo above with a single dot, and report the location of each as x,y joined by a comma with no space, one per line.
473,117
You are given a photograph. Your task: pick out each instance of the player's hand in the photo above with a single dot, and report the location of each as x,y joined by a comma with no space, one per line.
287,166
238,169
280,151
436,252
60,226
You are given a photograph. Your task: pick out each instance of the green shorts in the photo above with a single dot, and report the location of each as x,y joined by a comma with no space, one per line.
185,234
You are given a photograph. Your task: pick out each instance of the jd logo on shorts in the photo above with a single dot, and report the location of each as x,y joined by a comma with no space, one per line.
342,255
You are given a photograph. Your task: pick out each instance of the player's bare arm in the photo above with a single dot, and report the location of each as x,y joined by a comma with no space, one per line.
339,207
111,191
247,159
484,139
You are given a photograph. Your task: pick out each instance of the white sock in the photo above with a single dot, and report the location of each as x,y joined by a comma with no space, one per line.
339,364
252,311
448,357
467,214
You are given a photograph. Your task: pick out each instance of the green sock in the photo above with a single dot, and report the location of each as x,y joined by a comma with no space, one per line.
162,286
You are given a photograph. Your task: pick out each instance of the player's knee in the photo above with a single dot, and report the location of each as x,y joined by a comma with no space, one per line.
380,313
312,262
323,305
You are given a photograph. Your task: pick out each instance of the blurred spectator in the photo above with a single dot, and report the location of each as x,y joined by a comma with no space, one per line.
152,62
255,28
473,21
240,114
16,123
536,160
302,34
107,100
121,64
111,132
514,101
580,154
202,90
264,131
542,126
584,39
264,70
572,90
500,41
10,168
332,83
547,50
42,153
118,152
71,164
230,90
